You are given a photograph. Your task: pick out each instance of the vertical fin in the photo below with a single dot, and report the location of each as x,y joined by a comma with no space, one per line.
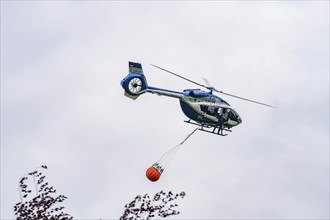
135,68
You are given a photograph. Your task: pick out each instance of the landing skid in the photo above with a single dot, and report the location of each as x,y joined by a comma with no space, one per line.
210,128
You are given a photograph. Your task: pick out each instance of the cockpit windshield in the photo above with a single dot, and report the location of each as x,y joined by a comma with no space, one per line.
233,115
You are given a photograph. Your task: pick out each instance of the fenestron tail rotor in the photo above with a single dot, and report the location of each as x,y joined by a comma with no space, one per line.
212,88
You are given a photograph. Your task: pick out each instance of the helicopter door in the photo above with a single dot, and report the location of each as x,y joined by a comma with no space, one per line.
211,110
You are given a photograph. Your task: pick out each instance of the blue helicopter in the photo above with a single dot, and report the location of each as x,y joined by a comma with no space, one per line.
211,113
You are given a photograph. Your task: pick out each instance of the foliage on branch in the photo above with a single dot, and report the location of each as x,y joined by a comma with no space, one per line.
161,205
40,202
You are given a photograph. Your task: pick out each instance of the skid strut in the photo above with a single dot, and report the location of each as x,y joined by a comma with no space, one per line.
210,128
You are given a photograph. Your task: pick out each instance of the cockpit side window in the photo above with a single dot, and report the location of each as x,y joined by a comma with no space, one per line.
210,109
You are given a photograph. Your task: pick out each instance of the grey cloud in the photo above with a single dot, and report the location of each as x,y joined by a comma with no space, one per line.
62,104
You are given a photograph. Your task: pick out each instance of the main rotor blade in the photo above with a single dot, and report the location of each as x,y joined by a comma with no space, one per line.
212,88
179,76
245,99
207,82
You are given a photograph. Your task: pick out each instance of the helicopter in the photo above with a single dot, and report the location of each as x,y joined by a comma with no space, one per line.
209,112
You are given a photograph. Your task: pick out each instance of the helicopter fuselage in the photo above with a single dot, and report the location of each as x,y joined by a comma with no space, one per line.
204,108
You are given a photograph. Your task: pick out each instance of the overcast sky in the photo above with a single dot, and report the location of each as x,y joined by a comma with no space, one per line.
62,104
